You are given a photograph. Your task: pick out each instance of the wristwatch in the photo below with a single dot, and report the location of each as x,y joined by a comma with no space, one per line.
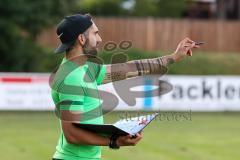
113,142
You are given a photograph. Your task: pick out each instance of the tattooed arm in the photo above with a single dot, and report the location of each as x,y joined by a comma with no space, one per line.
121,71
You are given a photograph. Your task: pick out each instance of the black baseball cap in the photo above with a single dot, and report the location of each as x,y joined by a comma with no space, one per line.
69,29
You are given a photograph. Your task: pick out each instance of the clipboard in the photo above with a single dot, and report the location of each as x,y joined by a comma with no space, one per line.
130,126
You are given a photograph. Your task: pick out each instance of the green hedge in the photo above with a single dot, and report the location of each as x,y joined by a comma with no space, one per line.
201,63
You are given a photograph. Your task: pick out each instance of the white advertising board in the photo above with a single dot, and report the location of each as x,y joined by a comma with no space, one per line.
21,91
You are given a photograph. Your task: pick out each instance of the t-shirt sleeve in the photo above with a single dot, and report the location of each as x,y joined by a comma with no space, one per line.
71,102
102,74
71,95
71,107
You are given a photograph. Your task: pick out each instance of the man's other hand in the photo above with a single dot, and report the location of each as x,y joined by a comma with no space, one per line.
128,140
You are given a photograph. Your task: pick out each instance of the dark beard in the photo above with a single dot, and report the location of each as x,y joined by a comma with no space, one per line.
87,51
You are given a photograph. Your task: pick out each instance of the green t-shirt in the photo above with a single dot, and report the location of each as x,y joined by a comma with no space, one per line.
79,85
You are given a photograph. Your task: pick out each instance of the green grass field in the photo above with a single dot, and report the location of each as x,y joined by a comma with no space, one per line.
208,136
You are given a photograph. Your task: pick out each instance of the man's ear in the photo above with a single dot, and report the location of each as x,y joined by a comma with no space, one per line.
82,39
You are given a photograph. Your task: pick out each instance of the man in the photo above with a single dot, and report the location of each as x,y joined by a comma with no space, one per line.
74,88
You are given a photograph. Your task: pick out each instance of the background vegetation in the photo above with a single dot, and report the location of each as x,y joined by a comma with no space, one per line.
22,20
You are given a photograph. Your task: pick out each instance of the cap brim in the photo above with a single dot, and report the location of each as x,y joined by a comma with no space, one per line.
63,47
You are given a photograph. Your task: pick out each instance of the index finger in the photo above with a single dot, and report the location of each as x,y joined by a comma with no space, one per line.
189,40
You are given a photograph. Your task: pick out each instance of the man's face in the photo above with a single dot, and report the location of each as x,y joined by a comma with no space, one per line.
93,40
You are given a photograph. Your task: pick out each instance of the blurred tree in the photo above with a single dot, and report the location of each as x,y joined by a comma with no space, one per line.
171,8
20,22
139,8
102,7
144,8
